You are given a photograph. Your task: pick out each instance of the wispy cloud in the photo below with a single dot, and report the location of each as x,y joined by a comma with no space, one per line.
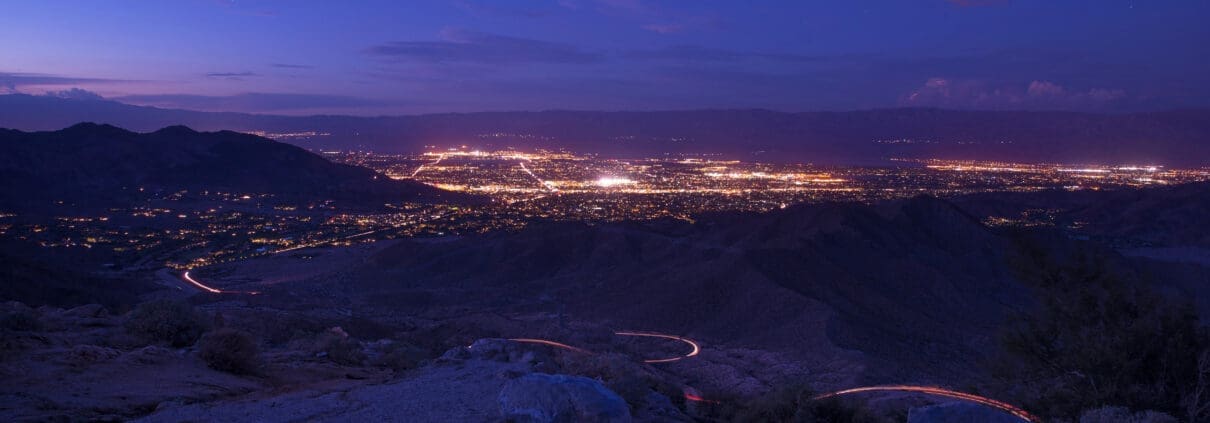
657,18
667,28
979,94
465,46
12,82
75,94
290,66
252,102
691,53
233,76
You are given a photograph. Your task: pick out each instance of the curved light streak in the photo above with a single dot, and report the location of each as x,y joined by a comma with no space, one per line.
697,398
550,343
941,392
696,348
185,276
692,394
200,285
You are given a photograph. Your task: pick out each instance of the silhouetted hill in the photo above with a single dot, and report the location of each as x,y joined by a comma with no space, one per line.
903,283
917,287
1164,217
38,281
102,165
1170,138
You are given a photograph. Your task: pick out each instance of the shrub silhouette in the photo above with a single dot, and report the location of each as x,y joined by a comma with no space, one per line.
1097,338
791,403
400,356
173,322
340,348
229,350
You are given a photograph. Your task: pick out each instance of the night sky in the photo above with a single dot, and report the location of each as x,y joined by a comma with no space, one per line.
397,57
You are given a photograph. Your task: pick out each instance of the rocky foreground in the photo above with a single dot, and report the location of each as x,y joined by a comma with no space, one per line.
85,363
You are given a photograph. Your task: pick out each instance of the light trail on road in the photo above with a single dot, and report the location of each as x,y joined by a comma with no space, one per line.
690,393
696,348
434,163
941,392
200,285
185,276
550,343
693,344
545,184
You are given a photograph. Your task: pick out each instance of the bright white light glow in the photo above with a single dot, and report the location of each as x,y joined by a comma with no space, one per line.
607,182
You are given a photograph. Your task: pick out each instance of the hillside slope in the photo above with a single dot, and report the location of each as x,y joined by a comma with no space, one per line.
101,165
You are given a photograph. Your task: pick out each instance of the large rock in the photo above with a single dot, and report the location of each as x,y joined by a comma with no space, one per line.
538,397
960,412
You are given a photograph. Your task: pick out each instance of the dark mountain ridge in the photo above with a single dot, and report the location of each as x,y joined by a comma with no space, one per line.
903,283
101,165
1169,138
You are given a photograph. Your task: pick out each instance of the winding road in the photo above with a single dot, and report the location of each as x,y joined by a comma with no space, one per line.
941,392
696,348
550,343
692,395
185,277
692,344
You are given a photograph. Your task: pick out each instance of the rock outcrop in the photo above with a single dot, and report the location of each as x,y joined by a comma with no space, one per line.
543,398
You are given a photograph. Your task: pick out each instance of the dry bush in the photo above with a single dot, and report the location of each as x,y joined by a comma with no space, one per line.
621,374
400,356
229,350
173,322
340,348
789,404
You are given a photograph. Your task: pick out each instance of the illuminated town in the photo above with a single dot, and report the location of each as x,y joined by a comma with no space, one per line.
184,230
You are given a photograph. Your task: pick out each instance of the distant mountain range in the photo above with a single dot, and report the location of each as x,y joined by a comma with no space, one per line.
91,165
1168,138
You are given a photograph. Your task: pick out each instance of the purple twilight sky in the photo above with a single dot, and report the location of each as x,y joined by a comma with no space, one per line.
401,57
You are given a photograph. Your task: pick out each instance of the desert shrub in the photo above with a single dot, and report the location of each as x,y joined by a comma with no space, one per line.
1096,338
620,374
603,366
790,404
634,388
229,350
173,322
340,348
400,356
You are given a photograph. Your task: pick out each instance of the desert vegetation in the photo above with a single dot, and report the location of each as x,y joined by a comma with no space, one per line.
1098,338
229,350
172,322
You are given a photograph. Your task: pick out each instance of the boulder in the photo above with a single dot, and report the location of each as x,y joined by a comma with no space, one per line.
495,349
960,412
544,398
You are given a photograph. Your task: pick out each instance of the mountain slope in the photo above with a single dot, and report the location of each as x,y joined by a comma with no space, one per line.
101,165
907,284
